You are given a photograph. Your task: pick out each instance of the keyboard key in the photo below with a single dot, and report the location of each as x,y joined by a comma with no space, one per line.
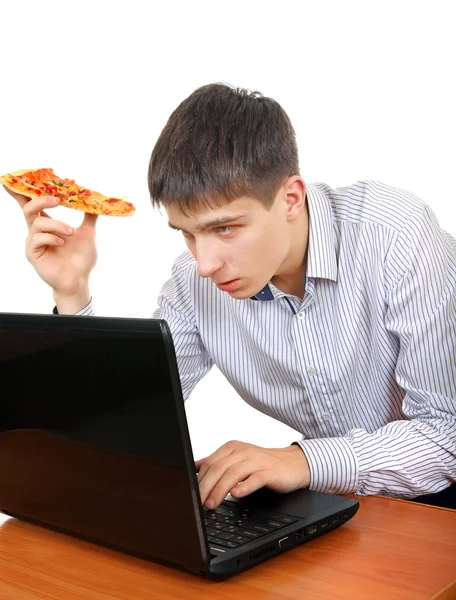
233,512
234,506
234,537
272,524
228,520
260,528
249,523
224,543
231,529
239,530
226,512
253,535
240,539
222,518
215,524
286,519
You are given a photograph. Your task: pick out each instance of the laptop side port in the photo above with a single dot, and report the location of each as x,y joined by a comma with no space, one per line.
312,529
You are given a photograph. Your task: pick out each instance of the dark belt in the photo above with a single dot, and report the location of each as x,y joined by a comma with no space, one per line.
445,498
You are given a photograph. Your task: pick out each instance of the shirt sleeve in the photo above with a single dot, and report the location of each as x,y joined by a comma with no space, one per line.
87,311
176,308
416,455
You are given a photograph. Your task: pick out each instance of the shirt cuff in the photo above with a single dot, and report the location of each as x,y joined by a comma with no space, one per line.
87,311
333,465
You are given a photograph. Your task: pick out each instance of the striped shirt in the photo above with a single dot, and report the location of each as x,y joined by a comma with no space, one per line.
364,366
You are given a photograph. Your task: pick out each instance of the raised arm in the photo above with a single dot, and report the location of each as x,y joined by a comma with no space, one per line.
62,256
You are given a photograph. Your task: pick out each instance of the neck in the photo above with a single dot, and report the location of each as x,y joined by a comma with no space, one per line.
291,275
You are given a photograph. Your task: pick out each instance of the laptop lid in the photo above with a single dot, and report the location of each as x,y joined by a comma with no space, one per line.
93,434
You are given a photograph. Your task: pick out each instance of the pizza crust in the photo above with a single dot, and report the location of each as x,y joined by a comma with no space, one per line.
21,172
22,188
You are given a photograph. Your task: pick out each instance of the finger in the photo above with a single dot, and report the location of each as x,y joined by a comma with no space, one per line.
207,478
203,464
216,472
199,462
37,244
208,463
89,220
251,484
35,206
48,225
22,200
234,475
222,452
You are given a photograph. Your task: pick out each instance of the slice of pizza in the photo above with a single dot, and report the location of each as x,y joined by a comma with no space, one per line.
40,182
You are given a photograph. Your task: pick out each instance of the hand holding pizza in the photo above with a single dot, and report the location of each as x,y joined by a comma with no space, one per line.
61,255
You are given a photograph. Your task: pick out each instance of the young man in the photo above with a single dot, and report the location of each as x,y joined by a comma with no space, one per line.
331,310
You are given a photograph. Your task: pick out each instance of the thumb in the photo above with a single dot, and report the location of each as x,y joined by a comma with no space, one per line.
89,220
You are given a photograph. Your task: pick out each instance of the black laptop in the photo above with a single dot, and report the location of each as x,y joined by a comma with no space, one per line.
94,442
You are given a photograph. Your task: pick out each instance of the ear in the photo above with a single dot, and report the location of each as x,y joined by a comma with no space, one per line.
295,197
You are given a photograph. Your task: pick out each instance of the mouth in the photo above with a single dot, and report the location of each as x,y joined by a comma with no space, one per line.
229,286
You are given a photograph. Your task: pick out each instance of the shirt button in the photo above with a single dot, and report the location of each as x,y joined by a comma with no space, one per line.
301,314
311,371
325,416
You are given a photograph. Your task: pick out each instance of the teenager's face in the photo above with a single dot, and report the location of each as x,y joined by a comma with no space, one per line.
239,246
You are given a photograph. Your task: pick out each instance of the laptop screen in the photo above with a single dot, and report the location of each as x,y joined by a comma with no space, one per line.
108,389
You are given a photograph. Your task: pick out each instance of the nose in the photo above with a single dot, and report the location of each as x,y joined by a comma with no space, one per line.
207,259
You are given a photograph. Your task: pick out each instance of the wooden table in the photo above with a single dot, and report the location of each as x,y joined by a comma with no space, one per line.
392,549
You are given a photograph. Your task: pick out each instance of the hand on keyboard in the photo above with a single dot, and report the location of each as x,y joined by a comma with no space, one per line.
241,469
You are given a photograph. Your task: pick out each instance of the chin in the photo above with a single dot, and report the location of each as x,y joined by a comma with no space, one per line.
244,294
240,295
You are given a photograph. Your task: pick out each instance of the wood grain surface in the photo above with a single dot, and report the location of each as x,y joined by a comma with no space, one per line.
391,549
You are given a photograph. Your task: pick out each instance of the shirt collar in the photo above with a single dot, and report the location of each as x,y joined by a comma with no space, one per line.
321,252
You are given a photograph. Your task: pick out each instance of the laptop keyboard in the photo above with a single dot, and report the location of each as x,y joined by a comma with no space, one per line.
231,525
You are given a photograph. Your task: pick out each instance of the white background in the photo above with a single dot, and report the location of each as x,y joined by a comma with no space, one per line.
86,88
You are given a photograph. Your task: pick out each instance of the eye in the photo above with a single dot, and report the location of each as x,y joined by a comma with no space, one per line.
225,229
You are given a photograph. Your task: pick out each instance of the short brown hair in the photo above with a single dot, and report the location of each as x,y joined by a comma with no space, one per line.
219,144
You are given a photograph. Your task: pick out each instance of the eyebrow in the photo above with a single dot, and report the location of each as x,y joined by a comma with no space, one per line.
213,222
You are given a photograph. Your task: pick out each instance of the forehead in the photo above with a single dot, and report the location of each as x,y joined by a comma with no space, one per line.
204,216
